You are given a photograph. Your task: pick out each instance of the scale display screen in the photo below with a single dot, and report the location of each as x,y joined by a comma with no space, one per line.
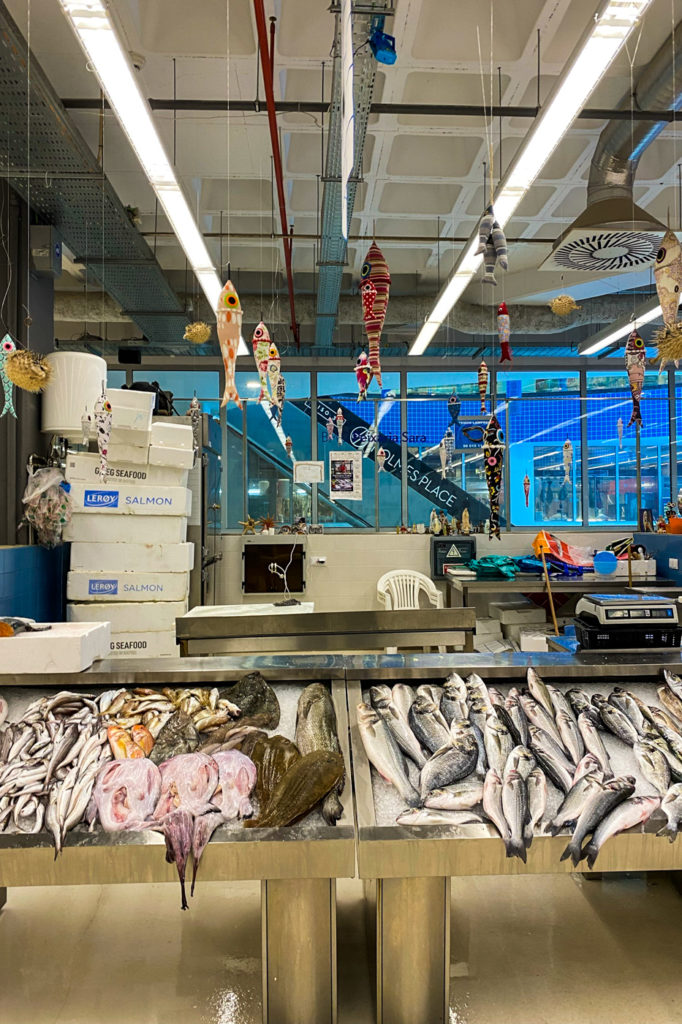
639,613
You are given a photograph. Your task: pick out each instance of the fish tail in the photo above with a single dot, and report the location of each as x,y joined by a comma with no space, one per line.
230,394
195,868
489,278
636,416
668,830
591,852
572,851
506,356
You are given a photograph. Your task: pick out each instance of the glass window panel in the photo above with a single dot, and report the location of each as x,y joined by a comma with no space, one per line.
368,425
677,412
116,378
446,406
518,384
184,384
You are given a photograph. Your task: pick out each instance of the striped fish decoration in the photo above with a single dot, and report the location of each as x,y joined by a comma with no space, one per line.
489,259
500,243
374,289
484,229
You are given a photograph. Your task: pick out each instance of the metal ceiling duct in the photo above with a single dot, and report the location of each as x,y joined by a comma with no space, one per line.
613,233
65,187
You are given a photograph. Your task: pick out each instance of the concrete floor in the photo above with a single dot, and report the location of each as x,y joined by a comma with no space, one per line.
533,950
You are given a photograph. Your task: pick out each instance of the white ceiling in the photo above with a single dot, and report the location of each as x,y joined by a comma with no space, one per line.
423,175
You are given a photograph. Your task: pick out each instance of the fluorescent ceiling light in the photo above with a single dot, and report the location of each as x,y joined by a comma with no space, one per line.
643,315
96,33
613,24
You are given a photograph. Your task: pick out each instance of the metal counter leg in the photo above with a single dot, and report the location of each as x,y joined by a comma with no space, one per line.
299,951
413,950
3,896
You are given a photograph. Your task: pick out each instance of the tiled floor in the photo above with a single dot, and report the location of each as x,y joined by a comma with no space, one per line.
527,950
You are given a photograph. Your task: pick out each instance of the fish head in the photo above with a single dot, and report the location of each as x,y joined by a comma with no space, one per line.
502,309
635,349
261,336
7,346
228,299
375,267
668,251
362,360
273,353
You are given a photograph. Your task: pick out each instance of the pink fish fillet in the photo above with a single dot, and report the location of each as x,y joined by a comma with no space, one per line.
187,781
237,779
126,793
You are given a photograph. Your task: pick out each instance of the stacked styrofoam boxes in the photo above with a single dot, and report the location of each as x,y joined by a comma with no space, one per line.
516,614
130,562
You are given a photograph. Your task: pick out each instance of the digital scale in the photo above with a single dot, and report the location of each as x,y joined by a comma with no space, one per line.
606,621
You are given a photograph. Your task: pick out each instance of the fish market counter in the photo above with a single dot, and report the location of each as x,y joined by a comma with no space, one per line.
48,792
407,865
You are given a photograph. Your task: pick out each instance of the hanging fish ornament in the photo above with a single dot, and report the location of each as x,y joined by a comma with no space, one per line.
526,487
274,362
340,420
103,427
28,370
482,383
499,240
489,261
280,396
485,229
330,428
197,333
449,442
503,332
289,446
382,455
6,349
668,276
442,451
229,324
261,352
195,420
374,288
619,427
493,454
363,374
635,360
562,305
568,460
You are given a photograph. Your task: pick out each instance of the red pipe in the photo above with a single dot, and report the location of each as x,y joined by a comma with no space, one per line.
268,76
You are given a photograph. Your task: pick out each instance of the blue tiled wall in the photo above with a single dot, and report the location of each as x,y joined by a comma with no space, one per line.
33,582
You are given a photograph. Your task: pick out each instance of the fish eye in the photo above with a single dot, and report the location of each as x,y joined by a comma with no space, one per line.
660,255
366,269
8,346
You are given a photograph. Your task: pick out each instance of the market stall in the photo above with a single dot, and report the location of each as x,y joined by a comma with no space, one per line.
296,864
407,867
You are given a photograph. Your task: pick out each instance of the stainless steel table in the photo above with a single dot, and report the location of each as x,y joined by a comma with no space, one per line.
407,869
459,590
296,866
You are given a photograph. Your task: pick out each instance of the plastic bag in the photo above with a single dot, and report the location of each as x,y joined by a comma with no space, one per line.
494,567
47,504
560,551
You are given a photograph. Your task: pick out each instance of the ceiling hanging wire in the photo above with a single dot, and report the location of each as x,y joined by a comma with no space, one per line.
27,306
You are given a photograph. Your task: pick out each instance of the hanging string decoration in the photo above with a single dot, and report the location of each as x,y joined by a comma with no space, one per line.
197,333
374,289
363,375
103,427
493,457
635,360
229,317
668,277
28,370
563,305
6,349
504,332
261,352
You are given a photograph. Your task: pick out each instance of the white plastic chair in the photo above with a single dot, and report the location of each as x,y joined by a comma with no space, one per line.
400,590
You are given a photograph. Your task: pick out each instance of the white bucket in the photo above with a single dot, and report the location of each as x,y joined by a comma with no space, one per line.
77,382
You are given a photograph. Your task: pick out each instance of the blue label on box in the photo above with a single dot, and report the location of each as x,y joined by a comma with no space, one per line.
100,587
100,499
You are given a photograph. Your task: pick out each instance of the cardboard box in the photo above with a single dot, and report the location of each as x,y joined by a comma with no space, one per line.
123,557
129,453
152,617
144,645
112,499
128,436
83,467
127,586
89,529
180,458
66,647
166,434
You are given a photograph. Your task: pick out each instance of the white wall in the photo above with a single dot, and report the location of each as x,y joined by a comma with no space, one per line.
356,561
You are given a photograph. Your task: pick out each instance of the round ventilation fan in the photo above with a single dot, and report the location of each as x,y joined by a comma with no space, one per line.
606,251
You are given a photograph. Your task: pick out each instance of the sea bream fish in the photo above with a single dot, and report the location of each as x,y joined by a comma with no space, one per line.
261,350
229,325
671,805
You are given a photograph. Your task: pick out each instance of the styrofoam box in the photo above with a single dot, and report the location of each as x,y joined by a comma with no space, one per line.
127,586
131,409
84,467
523,614
181,458
152,617
640,567
66,647
172,435
112,499
89,529
166,558
533,640
144,645
129,453
488,627
127,436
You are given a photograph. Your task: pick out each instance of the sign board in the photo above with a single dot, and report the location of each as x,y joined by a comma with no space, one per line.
307,472
453,550
345,476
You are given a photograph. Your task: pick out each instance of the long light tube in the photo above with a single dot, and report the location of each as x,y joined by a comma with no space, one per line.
613,23
97,35
643,315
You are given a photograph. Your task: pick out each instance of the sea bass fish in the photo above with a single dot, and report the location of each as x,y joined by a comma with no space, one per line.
492,804
434,816
601,802
515,808
634,811
229,325
383,752
460,796
385,707
671,805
